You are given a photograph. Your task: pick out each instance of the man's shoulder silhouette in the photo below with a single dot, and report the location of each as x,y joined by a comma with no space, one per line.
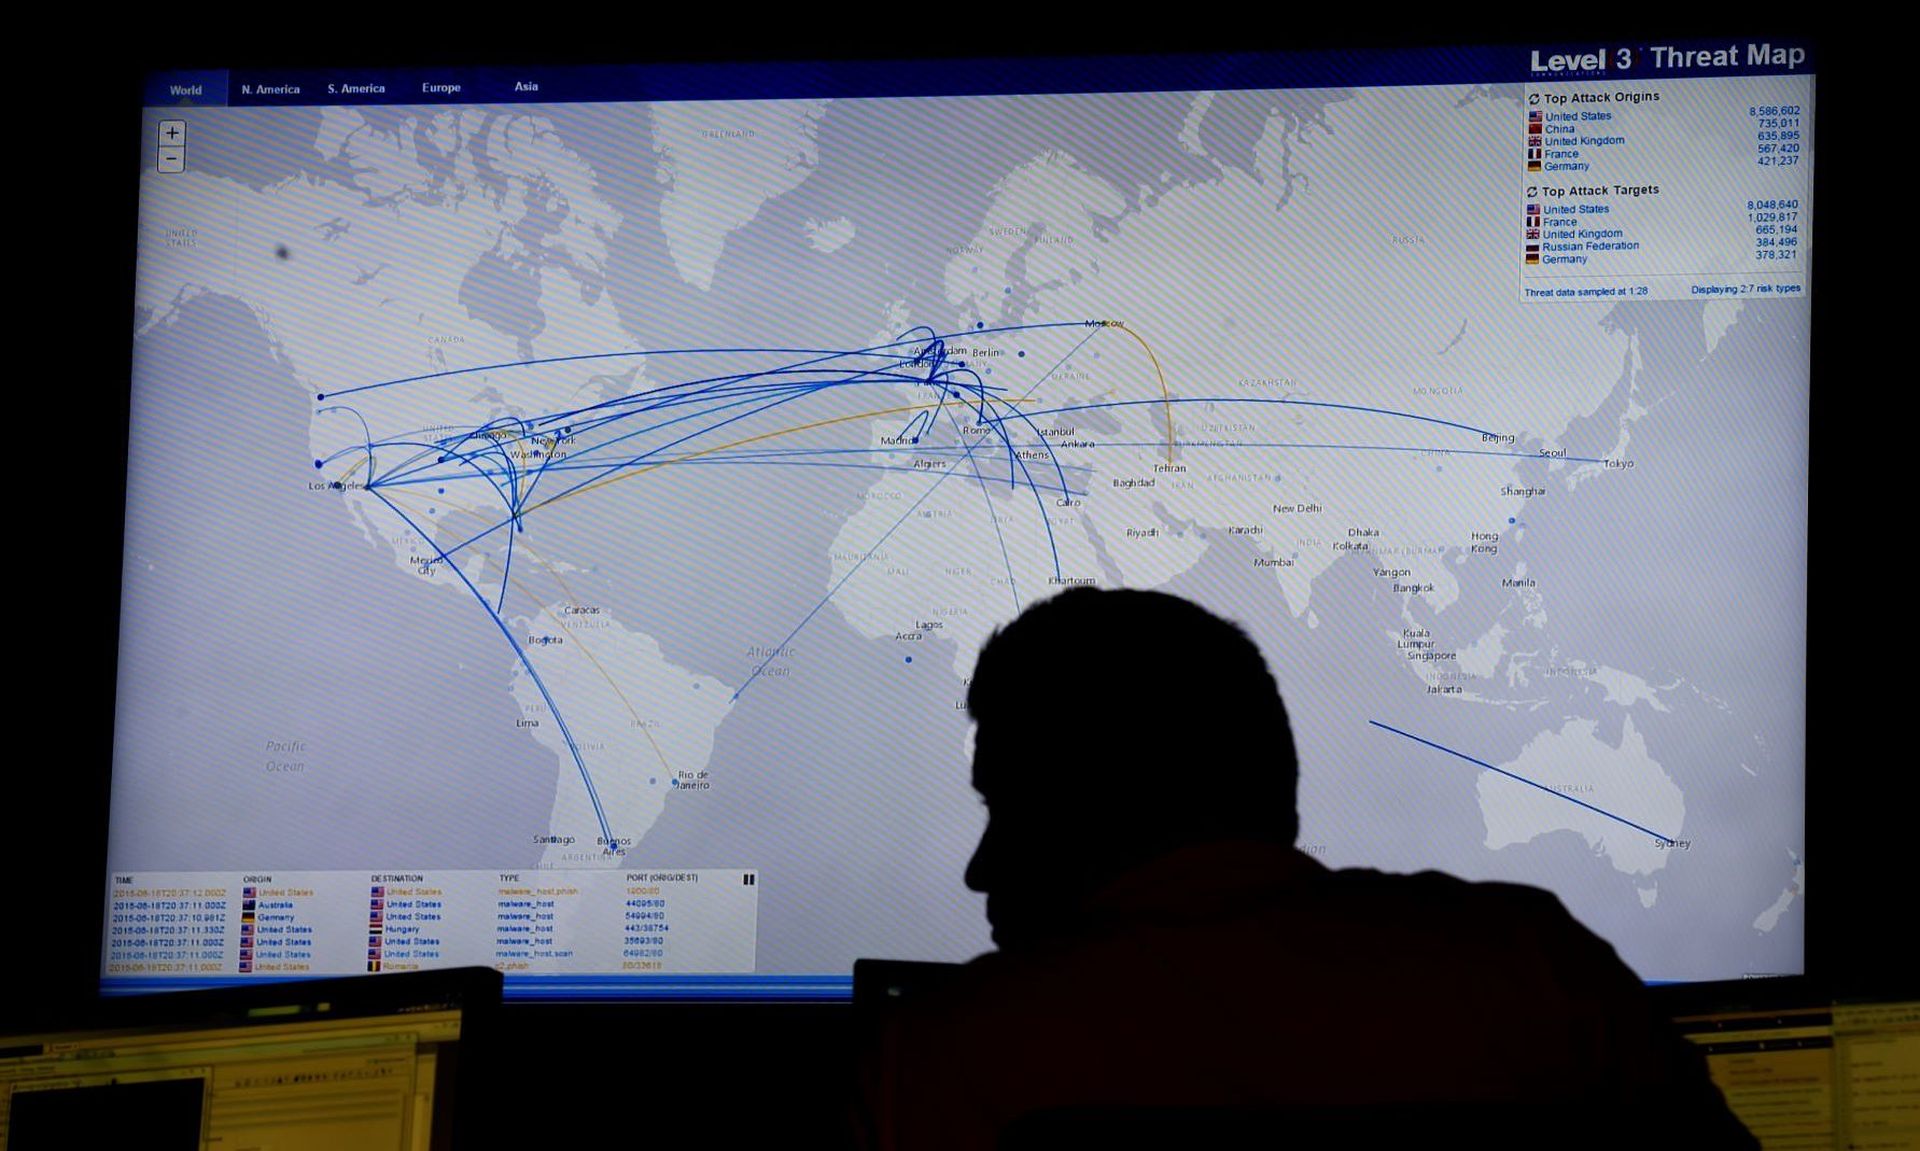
1238,974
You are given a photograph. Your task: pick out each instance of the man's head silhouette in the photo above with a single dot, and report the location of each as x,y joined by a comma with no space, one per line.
1114,727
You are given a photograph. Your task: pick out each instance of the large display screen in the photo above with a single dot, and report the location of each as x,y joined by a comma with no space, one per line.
565,504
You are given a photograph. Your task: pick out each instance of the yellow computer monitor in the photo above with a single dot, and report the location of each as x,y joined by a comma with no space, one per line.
295,1067
1825,1075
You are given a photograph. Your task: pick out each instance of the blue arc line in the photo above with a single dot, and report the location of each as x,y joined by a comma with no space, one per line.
830,353
1667,839
946,472
586,778
993,516
768,461
1273,400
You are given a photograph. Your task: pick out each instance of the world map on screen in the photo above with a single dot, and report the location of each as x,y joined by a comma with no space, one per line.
602,485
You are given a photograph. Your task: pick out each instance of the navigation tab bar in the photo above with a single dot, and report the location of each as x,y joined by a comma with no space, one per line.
983,76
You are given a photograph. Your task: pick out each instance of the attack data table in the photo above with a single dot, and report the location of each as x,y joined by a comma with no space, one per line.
222,928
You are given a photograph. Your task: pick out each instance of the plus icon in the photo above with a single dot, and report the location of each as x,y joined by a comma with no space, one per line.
173,132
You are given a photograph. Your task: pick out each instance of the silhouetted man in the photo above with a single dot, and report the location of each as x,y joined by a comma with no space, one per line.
1162,944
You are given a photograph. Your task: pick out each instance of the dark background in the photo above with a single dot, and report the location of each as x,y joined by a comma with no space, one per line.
773,1072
